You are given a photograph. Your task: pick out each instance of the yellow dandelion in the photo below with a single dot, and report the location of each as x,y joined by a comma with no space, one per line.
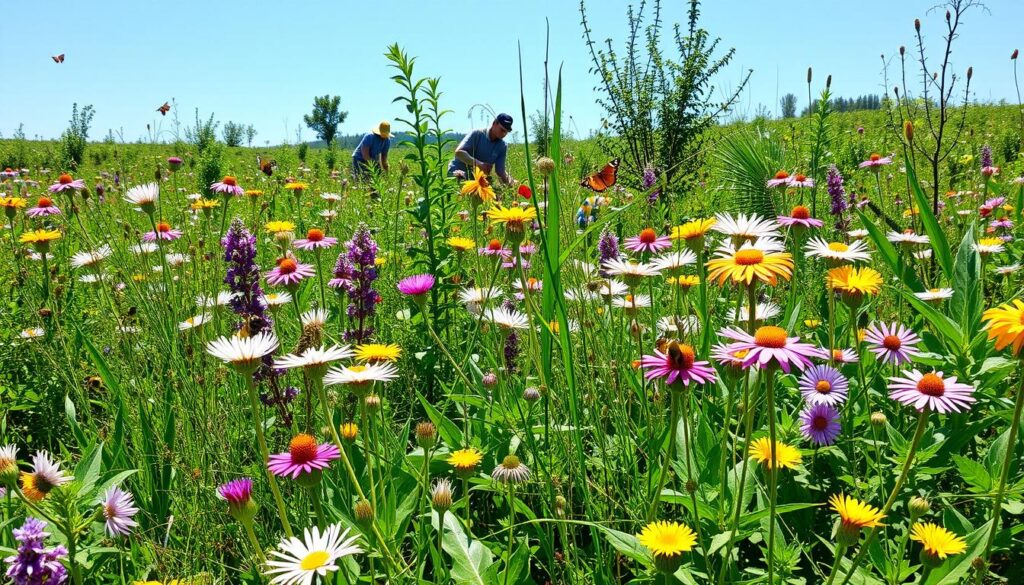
276,227
937,542
39,236
378,352
684,282
786,456
854,283
513,218
204,204
854,512
460,244
296,187
667,541
692,230
465,461
10,204
1005,324
254,192
349,431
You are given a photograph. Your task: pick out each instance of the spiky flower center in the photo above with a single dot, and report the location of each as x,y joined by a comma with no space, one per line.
65,179
838,247
801,178
163,227
820,423
315,235
314,560
749,257
931,384
302,448
681,356
823,386
837,355
287,266
800,212
45,202
230,181
510,462
875,157
891,342
494,245
770,336
782,175
648,236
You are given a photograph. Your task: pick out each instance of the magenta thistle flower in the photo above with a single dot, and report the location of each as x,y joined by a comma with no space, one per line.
678,363
416,285
875,162
648,241
823,385
174,162
43,208
236,492
930,390
892,342
289,272
118,510
820,424
303,456
314,239
228,186
163,232
770,345
66,183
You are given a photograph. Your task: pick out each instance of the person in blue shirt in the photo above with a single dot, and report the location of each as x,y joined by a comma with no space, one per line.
484,149
372,149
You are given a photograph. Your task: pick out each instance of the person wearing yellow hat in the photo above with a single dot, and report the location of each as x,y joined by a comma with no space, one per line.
372,149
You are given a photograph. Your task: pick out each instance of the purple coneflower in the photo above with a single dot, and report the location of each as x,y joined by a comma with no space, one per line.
43,208
163,231
875,162
238,494
174,163
801,181
314,239
648,241
495,248
66,183
228,186
118,510
892,342
34,564
289,272
800,217
842,355
820,424
931,390
781,179
823,384
511,470
303,456
678,363
771,345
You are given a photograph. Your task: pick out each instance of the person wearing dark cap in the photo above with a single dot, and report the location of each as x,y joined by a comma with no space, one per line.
484,149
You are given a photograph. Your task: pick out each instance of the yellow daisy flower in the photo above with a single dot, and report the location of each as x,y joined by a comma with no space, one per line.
750,262
465,461
667,541
460,244
276,227
937,542
854,283
685,281
478,188
378,352
1005,324
853,516
692,230
786,456
349,431
513,218
296,187
204,204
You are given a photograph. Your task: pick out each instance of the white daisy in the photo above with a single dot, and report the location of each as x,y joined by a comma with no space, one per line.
507,319
1004,270
8,456
923,254
314,317
223,297
299,561
90,278
193,322
935,294
581,295
176,260
91,258
762,312
673,262
274,300
242,352
611,288
475,297
362,374
144,196
32,332
746,227
330,197
632,302
989,246
144,248
329,214
631,272
678,325
859,234
314,357
838,251
907,238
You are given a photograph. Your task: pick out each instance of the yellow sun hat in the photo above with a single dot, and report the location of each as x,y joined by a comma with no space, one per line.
383,129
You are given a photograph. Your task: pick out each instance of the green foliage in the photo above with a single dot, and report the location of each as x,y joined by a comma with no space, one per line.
209,168
234,133
74,140
745,160
326,117
203,135
788,105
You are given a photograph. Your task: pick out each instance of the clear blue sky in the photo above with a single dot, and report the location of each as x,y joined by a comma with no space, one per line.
261,62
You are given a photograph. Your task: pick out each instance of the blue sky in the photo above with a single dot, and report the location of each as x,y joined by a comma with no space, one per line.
261,62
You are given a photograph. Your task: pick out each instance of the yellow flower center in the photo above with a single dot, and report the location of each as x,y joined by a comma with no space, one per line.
770,336
931,385
838,247
749,257
302,448
314,560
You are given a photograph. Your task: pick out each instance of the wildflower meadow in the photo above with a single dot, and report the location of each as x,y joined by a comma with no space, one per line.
695,350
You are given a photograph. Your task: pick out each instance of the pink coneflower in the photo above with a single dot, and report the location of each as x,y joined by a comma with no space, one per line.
986,208
799,180
820,424
527,248
227,186
495,248
118,510
781,179
842,355
43,208
875,162
416,285
66,183
314,239
931,390
771,345
989,171
648,241
289,272
892,342
303,456
677,364
823,385
163,232
800,217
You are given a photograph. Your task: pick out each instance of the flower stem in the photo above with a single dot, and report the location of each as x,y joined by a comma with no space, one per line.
254,541
265,454
840,552
773,473
669,453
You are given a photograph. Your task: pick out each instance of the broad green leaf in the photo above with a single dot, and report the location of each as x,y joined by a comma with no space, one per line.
966,303
973,473
940,246
888,253
470,558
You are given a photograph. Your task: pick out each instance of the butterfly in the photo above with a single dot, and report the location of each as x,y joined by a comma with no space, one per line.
164,109
600,182
58,58
266,165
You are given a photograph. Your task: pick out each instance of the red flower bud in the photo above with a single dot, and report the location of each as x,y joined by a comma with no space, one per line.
1013,57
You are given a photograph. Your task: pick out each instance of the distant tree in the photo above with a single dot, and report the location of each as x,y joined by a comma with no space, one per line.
326,117
250,133
74,139
234,133
203,134
788,105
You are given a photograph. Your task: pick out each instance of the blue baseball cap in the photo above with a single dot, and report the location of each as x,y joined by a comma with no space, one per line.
505,121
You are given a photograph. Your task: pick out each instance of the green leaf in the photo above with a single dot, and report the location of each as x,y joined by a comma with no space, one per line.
626,544
888,253
72,415
966,303
448,430
942,324
973,473
940,246
470,558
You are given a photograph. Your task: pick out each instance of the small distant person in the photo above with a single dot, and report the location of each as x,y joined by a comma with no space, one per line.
484,149
372,149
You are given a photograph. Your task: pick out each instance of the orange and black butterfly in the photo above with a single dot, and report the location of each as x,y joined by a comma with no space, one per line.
266,165
164,109
601,181
58,58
